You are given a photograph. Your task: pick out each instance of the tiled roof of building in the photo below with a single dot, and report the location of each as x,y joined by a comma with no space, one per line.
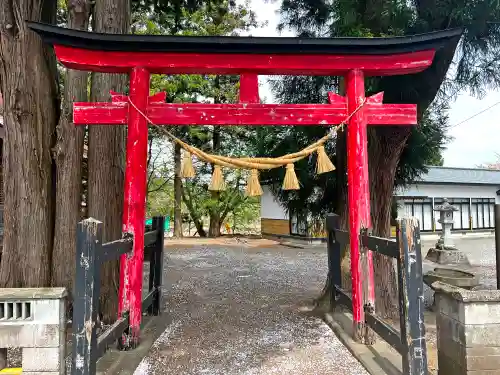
448,175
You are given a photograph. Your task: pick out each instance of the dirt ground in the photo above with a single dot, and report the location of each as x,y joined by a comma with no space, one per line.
245,310
227,241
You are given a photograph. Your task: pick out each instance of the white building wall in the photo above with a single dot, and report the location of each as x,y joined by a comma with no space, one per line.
269,207
450,191
470,214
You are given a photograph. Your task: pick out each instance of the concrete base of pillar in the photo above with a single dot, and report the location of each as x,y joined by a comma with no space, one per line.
448,257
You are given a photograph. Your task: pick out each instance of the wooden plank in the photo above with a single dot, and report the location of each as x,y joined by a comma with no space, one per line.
148,301
367,272
411,299
214,114
384,330
116,113
111,335
343,298
234,63
334,261
100,113
391,114
385,246
156,265
86,299
113,250
150,238
342,237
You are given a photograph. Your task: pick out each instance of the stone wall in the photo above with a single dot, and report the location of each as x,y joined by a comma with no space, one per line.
468,330
34,319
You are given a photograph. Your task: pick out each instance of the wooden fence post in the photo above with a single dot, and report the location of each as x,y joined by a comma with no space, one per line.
368,302
86,297
411,300
156,265
333,246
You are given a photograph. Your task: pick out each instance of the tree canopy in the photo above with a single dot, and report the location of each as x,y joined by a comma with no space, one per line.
473,67
217,18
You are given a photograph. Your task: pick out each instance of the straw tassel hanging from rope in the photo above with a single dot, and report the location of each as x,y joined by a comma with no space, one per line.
290,182
323,163
253,188
187,170
217,183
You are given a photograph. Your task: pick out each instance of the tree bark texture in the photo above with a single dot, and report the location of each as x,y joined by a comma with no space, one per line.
342,196
177,192
106,159
68,155
386,145
343,208
197,220
28,80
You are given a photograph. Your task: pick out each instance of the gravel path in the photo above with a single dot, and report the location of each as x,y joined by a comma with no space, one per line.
242,311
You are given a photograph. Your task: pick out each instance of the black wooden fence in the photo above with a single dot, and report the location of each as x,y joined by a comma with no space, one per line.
410,340
91,255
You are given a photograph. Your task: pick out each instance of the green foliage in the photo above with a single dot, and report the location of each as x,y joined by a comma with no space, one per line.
245,215
161,201
170,14
475,68
424,146
203,18
229,204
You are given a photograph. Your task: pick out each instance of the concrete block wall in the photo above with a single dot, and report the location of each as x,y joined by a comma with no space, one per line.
34,319
468,330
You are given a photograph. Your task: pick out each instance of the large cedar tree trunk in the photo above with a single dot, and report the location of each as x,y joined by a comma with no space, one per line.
106,159
177,192
68,155
28,80
386,146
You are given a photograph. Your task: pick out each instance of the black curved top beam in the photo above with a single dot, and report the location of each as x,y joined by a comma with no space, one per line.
244,45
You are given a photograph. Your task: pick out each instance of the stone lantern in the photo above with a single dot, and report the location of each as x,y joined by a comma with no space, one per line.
446,220
445,252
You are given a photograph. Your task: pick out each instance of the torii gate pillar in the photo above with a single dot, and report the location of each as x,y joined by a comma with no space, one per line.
134,208
358,194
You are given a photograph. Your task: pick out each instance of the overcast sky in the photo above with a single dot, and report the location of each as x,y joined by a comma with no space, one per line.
475,141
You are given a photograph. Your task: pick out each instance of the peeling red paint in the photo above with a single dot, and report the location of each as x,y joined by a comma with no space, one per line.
117,112
130,294
374,112
356,143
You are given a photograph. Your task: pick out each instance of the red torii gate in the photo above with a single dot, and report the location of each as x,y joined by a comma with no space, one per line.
140,56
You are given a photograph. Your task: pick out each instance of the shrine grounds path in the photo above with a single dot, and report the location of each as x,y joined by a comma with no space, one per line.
242,310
